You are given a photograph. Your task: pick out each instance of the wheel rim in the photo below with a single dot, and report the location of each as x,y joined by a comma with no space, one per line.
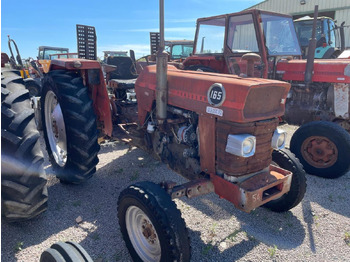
142,234
56,130
319,151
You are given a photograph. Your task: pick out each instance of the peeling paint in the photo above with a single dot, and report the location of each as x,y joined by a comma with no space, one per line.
341,100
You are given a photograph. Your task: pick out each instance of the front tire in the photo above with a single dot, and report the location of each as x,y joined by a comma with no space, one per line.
323,148
151,225
286,160
69,125
65,252
23,179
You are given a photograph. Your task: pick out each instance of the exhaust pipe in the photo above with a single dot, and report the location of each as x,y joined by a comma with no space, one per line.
162,63
311,53
342,37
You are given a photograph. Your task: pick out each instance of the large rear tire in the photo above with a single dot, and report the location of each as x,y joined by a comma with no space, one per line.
69,125
23,179
151,225
323,148
286,160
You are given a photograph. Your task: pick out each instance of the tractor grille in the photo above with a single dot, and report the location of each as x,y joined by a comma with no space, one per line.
238,166
264,102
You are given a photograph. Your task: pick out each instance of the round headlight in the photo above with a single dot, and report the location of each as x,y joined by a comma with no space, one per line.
248,145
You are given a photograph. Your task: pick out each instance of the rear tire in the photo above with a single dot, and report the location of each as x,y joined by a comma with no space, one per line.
69,125
23,179
151,225
286,160
323,148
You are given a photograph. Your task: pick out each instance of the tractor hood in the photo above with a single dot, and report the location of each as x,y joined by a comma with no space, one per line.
325,70
227,97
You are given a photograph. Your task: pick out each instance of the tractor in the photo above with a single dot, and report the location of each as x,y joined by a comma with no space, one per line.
177,51
265,45
218,130
330,37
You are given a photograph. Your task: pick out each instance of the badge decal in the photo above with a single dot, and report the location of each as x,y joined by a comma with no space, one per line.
216,94
214,111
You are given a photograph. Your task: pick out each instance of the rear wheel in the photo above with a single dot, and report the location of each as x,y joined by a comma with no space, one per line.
69,125
286,160
323,148
151,225
23,179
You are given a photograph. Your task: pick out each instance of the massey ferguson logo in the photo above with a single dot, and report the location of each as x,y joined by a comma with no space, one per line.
216,94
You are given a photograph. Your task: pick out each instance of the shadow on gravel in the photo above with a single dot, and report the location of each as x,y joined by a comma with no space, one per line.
95,202
331,194
210,252
281,229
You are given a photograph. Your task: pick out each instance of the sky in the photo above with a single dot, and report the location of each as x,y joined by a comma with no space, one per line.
120,25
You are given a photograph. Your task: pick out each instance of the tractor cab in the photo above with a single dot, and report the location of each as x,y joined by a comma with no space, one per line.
224,43
179,49
327,36
47,53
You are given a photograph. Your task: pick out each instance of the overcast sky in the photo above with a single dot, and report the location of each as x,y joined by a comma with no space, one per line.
120,25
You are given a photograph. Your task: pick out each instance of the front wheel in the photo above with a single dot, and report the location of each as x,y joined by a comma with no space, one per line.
286,160
151,225
323,148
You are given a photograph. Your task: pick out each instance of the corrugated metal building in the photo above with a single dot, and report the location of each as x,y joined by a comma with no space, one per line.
339,10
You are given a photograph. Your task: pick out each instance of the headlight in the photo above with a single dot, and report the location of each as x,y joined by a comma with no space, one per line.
241,145
279,139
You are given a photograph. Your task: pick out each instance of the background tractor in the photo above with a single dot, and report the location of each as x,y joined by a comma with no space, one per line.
264,44
330,37
207,127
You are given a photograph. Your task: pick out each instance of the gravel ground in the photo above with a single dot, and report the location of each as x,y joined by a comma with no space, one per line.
318,229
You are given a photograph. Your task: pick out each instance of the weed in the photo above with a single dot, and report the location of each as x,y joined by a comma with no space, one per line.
233,235
207,248
347,238
118,256
135,176
212,230
95,236
59,206
272,250
19,246
330,197
120,170
77,203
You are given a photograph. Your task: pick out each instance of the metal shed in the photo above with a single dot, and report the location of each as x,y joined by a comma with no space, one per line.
339,10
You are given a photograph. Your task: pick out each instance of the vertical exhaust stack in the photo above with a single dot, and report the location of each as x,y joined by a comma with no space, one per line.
311,52
162,63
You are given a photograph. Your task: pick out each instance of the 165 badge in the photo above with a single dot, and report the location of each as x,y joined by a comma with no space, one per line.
216,94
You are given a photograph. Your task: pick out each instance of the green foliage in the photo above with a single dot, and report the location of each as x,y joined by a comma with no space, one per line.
272,251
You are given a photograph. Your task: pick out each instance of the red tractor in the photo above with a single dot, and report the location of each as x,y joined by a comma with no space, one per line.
319,98
218,130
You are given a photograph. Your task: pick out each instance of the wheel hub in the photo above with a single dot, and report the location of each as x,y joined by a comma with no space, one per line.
319,151
55,127
148,232
142,234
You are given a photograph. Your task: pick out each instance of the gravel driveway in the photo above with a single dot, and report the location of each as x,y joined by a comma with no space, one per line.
318,229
